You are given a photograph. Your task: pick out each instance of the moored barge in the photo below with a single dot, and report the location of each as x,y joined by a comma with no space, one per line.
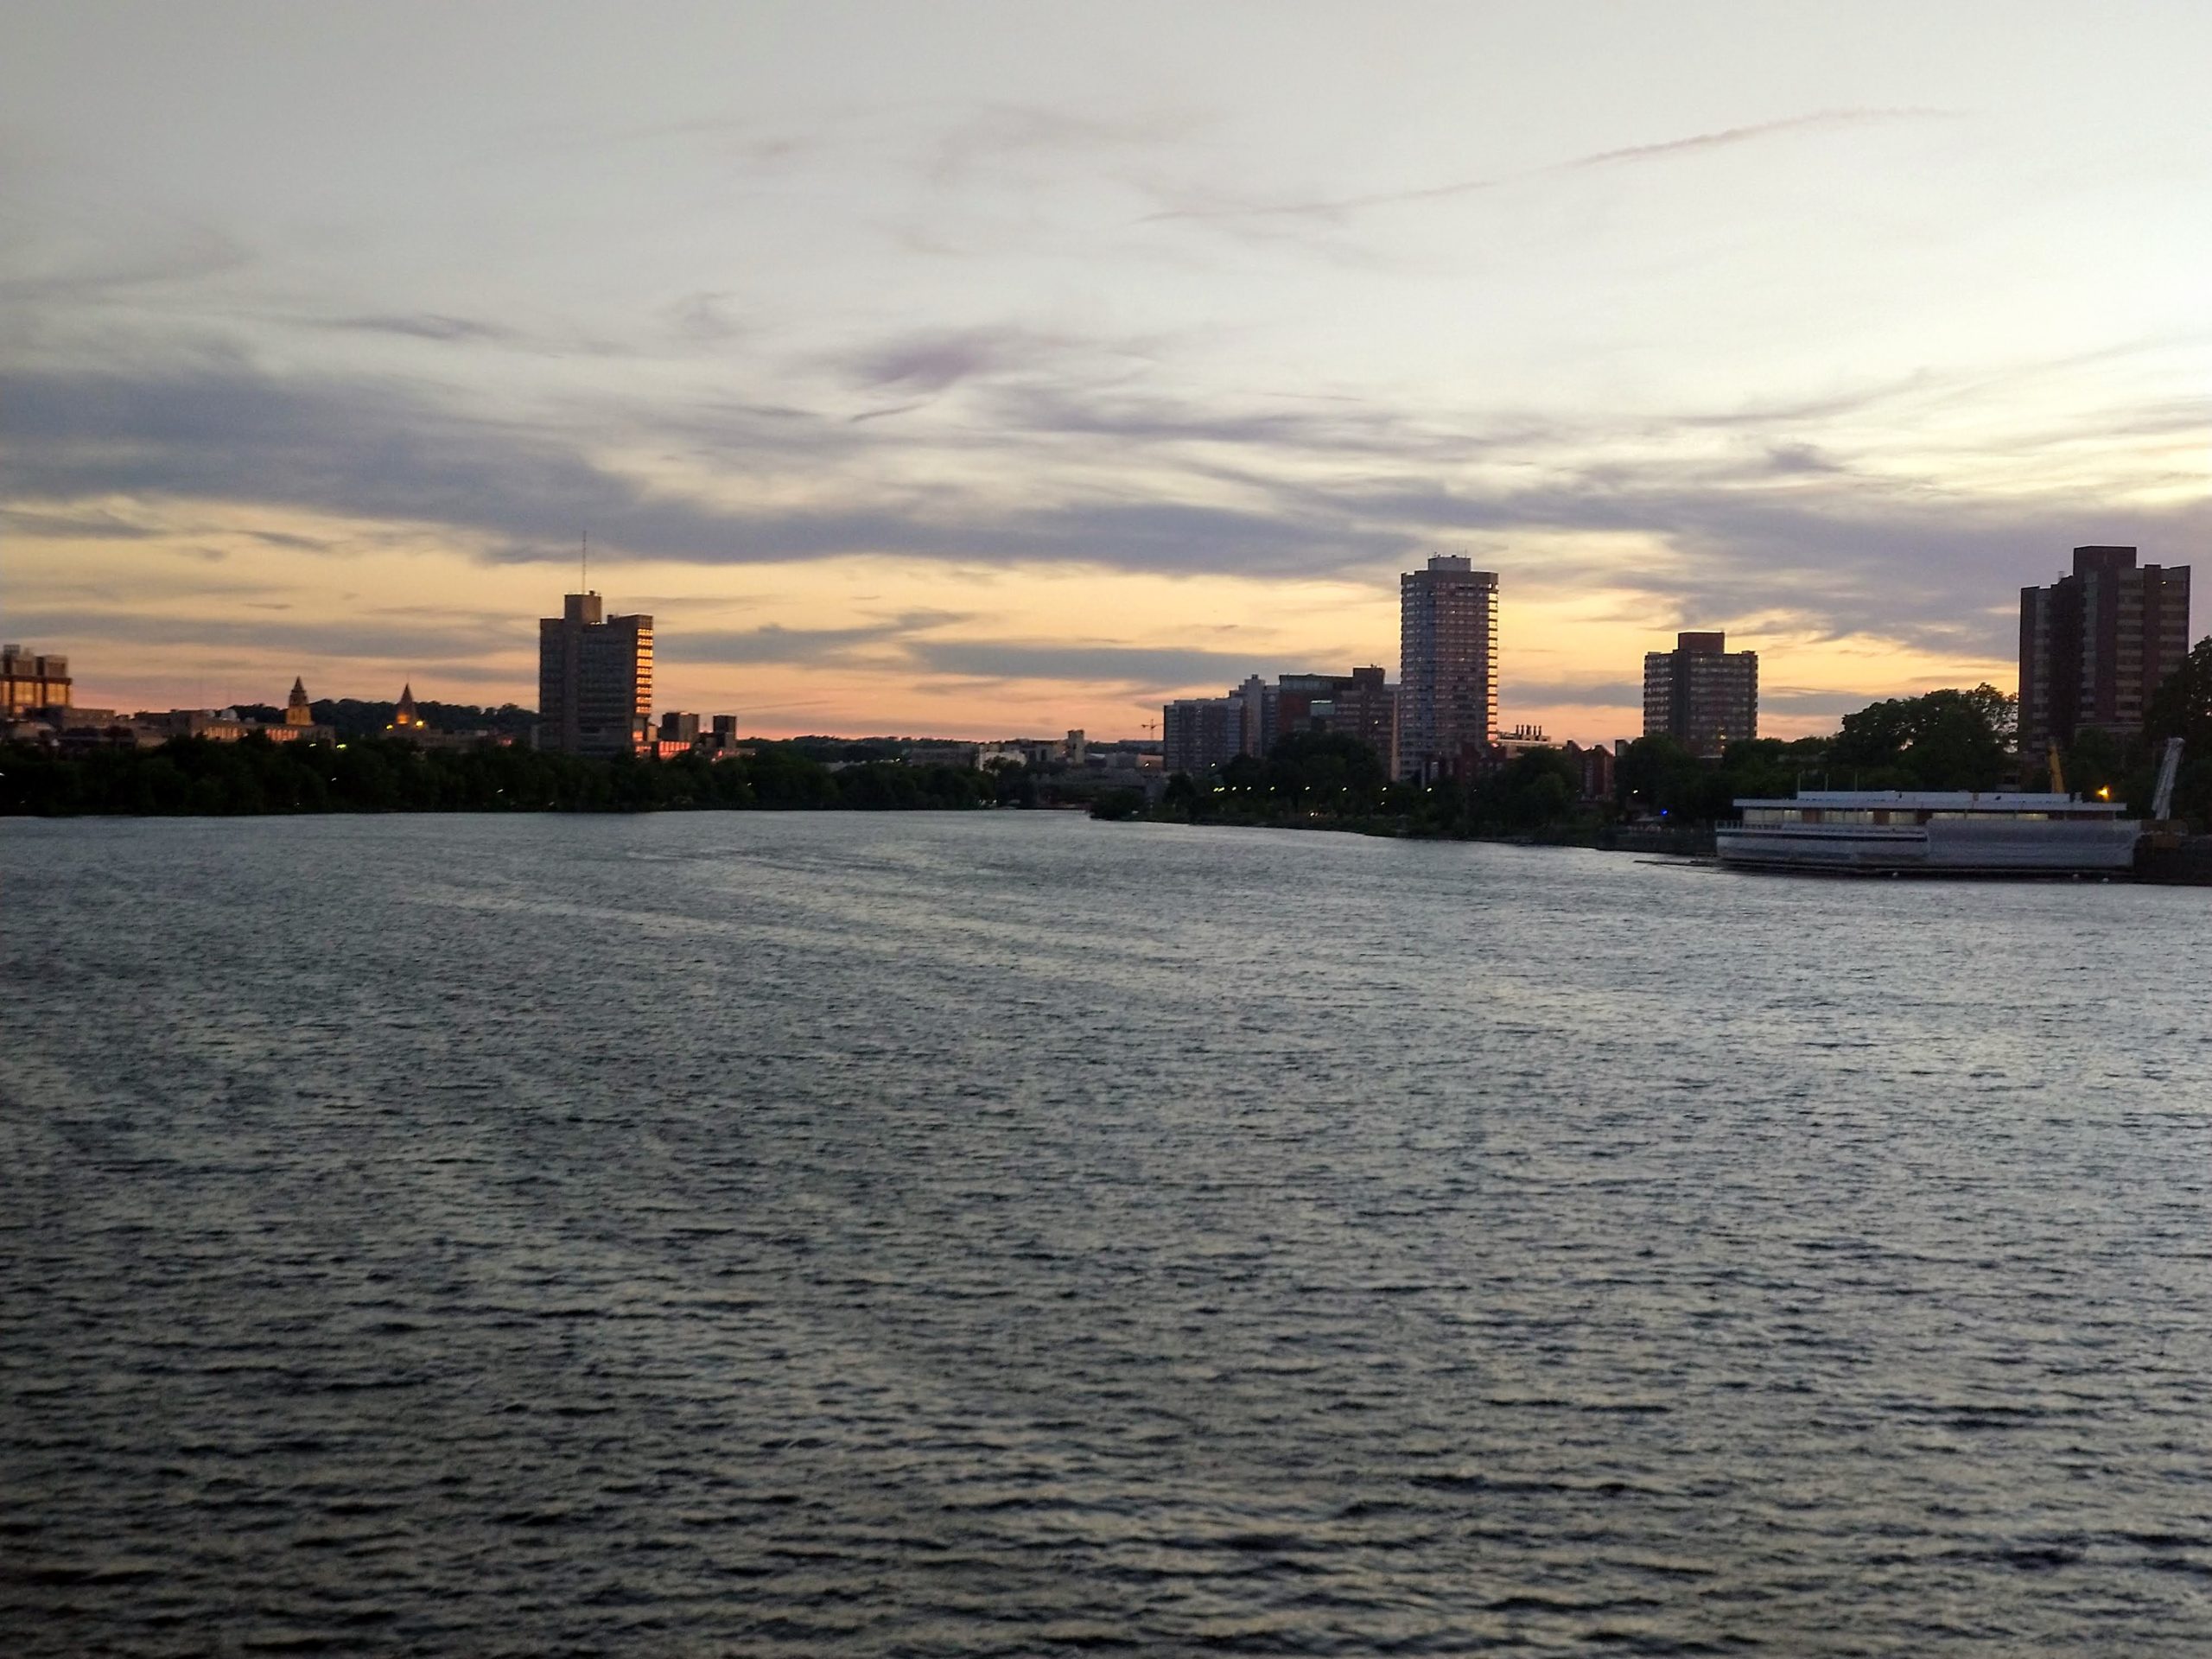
1936,832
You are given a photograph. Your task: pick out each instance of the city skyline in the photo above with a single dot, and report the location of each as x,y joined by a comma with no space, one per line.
962,375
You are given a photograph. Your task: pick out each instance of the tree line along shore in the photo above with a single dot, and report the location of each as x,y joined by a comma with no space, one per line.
1939,741
197,777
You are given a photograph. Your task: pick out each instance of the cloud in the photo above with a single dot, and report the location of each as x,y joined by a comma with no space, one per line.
914,641
453,638
909,642
1134,667
1818,119
384,450
75,267
747,647
1336,209
88,525
1334,493
1347,428
1834,704
424,325
936,360
703,319
996,135
1787,458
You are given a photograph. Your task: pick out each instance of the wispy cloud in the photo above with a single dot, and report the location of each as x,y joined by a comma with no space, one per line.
1129,667
75,267
933,361
914,642
1338,208
1001,135
455,639
424,325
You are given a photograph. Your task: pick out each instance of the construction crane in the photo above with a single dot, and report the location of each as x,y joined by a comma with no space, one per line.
2162,798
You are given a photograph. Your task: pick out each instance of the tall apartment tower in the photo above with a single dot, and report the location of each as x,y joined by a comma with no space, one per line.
595,680
1701,694
1448,663
2093,645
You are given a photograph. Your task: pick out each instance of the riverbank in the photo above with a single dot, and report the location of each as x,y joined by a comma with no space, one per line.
2186,864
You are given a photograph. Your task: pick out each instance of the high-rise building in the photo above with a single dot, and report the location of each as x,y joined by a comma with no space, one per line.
595,680
1360,704
2094,645
1258,716
1448,663
1197,732
30,680
1701,694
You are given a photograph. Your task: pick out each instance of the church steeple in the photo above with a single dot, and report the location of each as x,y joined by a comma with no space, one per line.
296,712
405,717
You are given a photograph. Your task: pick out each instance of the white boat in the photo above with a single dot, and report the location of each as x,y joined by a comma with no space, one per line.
1881,831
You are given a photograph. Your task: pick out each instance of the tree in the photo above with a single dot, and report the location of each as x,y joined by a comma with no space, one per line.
1768,768
1940,740
1115,805
1656,774
2182,708
1535,788
1011,784
1324,770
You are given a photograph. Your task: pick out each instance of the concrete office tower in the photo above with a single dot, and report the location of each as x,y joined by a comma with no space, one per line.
1448,664
1701,694
2093,645
595,680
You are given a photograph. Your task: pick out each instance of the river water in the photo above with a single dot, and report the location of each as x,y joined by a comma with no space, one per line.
1007,1234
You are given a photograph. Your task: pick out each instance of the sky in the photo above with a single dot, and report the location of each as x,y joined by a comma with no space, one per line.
983,369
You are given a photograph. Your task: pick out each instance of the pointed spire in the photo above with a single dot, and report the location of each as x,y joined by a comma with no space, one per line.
296,712
404,715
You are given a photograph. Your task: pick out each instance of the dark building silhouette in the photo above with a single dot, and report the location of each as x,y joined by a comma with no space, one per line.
1197,732
2093,645
1365,706
1448,663
1201,732
1701,694
595,680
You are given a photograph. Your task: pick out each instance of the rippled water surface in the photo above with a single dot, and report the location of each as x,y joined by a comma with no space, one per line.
1009,1234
